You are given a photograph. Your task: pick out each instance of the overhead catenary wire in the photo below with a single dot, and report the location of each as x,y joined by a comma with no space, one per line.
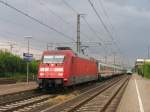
20,25
54,13
36,20
76,12
69,6
107,16
62,19
101,20
105,13
103,23
95,33
90,27
44,24
105,27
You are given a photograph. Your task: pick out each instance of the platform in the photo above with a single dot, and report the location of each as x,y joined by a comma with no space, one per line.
18,87
137,96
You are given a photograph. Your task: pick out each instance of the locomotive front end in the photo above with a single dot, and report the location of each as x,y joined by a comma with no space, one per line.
51,71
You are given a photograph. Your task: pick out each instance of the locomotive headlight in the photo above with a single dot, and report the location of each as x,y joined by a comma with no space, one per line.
60,74
41,74
41,69
58,69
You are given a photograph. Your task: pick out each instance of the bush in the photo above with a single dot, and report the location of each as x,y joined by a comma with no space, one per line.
146,70
11,64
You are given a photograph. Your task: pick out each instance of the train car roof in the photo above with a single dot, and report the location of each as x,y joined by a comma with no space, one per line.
113,66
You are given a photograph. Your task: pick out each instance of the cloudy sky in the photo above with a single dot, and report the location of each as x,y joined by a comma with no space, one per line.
127,20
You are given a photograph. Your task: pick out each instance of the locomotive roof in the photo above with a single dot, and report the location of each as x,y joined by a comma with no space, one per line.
68,52
62,52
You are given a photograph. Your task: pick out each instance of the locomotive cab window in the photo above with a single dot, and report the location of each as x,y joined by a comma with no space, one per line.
53,59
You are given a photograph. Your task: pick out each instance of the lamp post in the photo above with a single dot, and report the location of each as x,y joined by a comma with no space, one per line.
28,39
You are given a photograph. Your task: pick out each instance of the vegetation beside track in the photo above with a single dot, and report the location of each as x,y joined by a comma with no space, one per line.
14,67
144,70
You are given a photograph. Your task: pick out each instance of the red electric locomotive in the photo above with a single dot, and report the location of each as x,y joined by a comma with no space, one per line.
63,67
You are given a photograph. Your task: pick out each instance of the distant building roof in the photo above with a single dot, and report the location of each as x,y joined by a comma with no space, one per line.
139,60
147,60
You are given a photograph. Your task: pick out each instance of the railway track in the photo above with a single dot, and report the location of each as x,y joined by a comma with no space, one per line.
99,99
24,103
32,101
28,100
14,97
15,101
